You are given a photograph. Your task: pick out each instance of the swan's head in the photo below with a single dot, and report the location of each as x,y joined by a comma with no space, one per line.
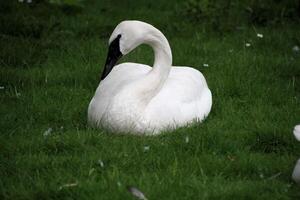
126,36
131,34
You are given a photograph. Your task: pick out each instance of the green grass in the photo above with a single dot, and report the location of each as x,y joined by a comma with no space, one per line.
243,150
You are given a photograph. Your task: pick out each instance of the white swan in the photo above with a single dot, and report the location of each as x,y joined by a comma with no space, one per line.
296,172
135,98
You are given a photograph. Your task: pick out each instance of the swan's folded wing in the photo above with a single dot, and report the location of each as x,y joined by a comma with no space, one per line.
186,83
184,97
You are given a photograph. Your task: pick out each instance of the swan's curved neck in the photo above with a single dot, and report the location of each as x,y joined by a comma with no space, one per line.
162,56
151,84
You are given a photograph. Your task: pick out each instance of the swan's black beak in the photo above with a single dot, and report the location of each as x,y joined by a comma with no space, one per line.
114,54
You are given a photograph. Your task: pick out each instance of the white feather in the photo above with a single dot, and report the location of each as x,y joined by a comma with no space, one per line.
297,132
137,193
296,172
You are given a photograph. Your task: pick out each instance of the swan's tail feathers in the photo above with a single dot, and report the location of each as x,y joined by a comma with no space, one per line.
297,132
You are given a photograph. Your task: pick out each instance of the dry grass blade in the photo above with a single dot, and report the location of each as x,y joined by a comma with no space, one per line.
68,185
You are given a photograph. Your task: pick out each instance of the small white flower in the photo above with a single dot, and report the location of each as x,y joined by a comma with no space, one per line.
261,176
247,44
296,48
100,162
205,65
187,139
1,87
47,132
259,35
146,148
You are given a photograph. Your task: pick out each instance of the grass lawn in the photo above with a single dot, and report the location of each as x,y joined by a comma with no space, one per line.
50,67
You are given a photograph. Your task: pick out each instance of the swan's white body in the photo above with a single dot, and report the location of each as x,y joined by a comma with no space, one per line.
296,172
136,98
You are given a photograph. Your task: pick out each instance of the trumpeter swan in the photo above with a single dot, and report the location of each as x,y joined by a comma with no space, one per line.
139,99
296,172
